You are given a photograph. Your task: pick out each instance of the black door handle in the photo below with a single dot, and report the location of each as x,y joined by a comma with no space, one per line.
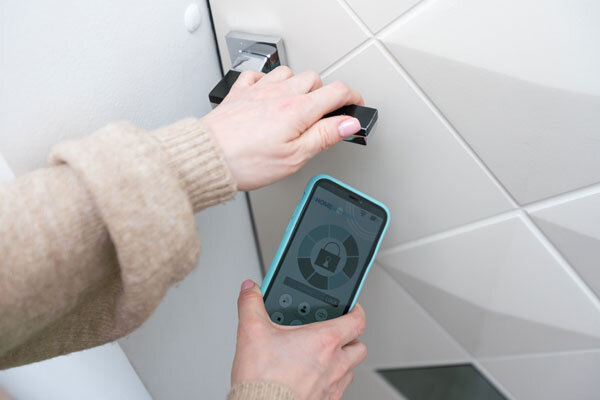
367,116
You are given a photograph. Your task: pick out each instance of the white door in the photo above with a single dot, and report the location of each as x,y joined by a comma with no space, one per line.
487,154
66,69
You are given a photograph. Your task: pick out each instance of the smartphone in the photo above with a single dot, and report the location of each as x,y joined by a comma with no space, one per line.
325,255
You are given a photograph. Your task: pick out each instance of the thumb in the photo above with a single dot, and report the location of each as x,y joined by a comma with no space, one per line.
326,132
250,302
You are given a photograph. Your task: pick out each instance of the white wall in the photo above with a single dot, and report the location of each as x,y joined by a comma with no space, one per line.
96,374
67,68
487,153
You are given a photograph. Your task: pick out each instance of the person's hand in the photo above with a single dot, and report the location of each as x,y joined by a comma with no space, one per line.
269,125
315,361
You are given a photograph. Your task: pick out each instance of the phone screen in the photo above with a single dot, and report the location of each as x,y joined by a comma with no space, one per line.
326,257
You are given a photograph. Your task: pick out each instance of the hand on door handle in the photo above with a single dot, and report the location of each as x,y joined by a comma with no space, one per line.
367,116
270,125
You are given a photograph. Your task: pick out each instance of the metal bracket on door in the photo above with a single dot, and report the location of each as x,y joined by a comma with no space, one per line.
248,51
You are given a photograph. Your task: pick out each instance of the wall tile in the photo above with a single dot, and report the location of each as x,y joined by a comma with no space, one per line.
315,33
518,81
368,385
399,332
412,163
549,377
377,14
575,230
498,292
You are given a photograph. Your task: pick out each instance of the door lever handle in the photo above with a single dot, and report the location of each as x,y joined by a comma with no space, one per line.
367,116
263,53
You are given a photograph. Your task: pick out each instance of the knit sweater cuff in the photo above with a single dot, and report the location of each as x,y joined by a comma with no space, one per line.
257,390
198,162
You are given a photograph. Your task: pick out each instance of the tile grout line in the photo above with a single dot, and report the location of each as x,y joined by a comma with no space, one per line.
415,87
408,13
375,38
486,221
564,353
371,37
558,257
484,358
357,19
345,58
562,198
518,209
521,210
464,228
476,361
421,364
471,359
447,124
392,25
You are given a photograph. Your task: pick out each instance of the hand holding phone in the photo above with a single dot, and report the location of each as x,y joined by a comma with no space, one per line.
325,254
314,361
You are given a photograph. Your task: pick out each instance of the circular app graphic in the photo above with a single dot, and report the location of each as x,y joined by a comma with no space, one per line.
303,308
285,300
321,314
328,257
277,317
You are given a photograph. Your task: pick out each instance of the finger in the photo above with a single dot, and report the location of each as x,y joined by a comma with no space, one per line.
354,353
279,74
331,97
247,78
345,382
250,302
325,133
348,327
304,82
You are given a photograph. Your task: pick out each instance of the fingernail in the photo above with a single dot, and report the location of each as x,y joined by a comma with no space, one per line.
349,127
247,284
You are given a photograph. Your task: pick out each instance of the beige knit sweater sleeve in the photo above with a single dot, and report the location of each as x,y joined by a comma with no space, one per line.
90,244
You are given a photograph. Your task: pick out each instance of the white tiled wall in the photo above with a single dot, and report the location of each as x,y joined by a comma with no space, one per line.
487,152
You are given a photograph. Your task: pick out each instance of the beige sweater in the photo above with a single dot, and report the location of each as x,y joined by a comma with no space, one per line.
90,244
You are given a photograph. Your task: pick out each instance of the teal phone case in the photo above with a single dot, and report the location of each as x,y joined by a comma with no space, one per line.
295,218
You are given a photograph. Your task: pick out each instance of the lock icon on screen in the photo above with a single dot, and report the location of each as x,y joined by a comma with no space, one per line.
327,259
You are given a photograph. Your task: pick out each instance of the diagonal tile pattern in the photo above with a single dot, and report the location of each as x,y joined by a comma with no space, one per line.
377,14
394,317
498,292
529,111
575,230
549,377
413,151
